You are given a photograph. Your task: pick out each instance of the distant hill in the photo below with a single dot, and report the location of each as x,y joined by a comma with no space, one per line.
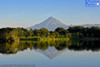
51,24
86,25
90,25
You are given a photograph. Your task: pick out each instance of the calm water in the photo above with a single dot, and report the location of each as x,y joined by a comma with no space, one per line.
51,54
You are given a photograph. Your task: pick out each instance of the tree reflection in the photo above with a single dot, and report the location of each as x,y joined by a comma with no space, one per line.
9,48
86,45
14,47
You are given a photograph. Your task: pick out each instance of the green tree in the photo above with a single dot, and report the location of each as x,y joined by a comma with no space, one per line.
61,31
8,34
44,32
31,33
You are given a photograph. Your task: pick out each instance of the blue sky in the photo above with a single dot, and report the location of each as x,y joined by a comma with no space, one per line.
25,13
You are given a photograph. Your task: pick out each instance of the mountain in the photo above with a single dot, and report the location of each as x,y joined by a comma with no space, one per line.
51,24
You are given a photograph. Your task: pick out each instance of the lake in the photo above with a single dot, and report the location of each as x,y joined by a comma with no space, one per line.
51,53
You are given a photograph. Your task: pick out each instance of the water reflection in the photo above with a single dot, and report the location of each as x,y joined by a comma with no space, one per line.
51,52
49,48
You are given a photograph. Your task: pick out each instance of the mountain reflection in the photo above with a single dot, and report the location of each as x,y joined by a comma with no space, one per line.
46,46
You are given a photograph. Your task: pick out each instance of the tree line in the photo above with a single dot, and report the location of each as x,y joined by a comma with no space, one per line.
11,34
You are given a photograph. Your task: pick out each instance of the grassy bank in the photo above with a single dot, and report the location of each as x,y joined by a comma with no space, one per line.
89,39
53,39
41,38
77,38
